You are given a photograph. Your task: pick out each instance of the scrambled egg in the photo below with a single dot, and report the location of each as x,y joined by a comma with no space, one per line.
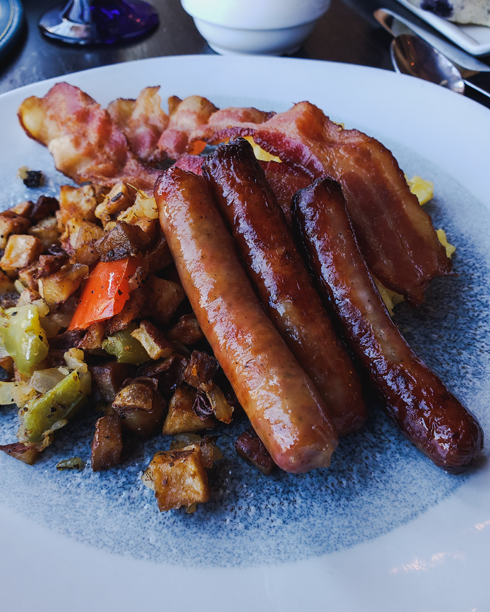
259,153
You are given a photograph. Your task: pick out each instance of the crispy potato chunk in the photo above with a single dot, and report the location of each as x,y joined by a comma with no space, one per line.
47,232
78,240
58,287
178,478
27,453
122,241
182,417
201,370
10,223
140,407
76,203
109,378
153,340
29,276
250,447
21,251
6,285
93,338
107,443
186,331
165,297
119,198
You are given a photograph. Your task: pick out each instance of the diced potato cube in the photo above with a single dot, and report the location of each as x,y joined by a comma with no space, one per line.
119,198
22,208
27,453
186,330
76,203
10,223
78,239
47,232
201,370
250,447
140,407
165,298
107,443
58,287
153,340
178,478
6,285
28,276
181,417
108,379
21,251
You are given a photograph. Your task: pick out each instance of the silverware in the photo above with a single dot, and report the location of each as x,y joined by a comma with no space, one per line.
396,25
412,55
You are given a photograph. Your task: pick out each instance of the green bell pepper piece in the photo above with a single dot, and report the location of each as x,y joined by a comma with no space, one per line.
126,348
52,410
23,337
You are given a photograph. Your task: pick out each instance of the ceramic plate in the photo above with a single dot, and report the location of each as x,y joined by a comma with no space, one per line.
383,529
11,21
472,38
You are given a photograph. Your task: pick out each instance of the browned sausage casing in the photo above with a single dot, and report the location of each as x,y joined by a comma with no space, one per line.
282,403
431,417
282,281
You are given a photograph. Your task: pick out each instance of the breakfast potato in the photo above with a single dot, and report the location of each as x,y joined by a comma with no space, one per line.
140,407
108,379
153,340
165,297
178,478
11,223
181,416
250,447
76,203
123,240
58,287
21,251
47,232
186,330
119,198
78,239
107,443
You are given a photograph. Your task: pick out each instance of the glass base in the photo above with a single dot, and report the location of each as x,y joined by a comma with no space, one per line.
86,22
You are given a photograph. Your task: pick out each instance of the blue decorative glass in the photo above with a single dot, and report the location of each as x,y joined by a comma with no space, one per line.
99,21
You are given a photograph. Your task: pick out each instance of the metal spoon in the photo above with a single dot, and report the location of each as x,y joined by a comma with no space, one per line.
412,55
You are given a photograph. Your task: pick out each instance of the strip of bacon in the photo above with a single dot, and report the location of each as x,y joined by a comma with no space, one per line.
142,121
395,235
84,141
232,116
191,163
185,116
285,181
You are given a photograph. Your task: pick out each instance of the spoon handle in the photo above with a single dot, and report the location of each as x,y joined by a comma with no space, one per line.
483,88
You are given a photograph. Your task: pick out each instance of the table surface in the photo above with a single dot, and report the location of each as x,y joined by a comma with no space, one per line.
347,33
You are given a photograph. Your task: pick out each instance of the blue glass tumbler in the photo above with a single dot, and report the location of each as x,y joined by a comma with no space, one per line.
99,21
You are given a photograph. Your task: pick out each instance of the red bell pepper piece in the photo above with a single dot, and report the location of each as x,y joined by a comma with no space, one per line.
105,292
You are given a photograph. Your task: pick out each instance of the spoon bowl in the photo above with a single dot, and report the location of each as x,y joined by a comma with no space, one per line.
412,55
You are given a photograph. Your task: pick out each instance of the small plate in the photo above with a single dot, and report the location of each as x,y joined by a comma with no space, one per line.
474,39
11,21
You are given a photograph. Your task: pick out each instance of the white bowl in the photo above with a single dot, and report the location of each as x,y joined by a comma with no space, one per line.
259,27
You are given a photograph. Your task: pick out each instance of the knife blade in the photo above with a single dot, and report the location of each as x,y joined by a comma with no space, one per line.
395,25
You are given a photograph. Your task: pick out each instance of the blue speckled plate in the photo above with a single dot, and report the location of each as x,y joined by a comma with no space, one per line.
382,529
11,21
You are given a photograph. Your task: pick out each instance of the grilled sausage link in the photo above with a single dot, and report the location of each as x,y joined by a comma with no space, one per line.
282,281
283,405
429,415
